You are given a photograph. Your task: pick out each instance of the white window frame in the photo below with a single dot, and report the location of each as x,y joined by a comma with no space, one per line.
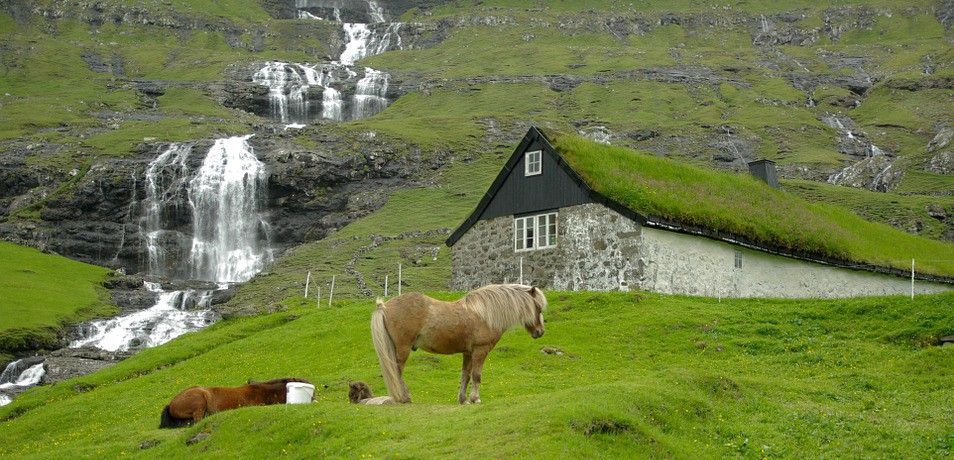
534,158
528,228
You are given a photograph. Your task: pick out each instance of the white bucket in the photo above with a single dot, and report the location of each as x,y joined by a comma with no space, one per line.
299,393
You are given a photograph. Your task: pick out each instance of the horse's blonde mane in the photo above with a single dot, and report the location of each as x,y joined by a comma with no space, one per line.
502,306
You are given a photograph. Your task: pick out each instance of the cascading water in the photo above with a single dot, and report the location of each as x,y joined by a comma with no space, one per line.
14,380
369,96
288,90
228,224
228,243
166,320
289,83
872,167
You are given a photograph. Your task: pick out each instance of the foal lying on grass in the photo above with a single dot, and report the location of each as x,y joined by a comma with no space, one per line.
360,393
192,404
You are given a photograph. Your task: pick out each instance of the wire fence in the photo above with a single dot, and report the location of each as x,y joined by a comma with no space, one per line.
331,290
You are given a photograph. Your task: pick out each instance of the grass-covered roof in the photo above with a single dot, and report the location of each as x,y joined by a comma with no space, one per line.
747,208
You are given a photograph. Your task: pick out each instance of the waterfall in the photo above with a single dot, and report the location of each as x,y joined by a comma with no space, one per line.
166,180
18,376
375,11
288,83
364,42
228,243
228,224
369,96
31,376
288,89
332,106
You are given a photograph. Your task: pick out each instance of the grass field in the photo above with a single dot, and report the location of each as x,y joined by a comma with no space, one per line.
41,292
641,375
745,206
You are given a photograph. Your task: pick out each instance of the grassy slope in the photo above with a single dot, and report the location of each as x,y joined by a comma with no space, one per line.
902,211
743,205
642,375
40,292
761,106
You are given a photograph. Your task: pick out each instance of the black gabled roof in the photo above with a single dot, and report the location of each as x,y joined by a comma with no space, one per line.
532,135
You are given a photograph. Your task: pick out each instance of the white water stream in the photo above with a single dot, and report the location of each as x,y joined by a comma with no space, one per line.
289,83
10,379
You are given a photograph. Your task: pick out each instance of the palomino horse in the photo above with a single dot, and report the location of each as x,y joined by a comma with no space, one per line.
471,325
193,404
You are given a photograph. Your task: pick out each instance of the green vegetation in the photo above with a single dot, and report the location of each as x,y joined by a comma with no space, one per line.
744,206
640,375
913,213
40,293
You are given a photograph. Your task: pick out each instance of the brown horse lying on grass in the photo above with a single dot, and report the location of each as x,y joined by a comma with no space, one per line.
193,404
471,326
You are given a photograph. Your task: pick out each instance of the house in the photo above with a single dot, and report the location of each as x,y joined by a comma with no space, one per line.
543,224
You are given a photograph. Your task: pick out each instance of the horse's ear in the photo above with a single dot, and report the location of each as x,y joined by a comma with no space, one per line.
533,291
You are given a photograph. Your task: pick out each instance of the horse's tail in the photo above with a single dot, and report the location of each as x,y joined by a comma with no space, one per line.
384,347
168,421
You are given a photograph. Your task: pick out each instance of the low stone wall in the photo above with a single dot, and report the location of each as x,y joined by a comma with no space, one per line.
598,249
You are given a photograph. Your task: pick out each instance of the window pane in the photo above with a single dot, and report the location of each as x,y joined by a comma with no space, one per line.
541,231
518,233
529,238
552,230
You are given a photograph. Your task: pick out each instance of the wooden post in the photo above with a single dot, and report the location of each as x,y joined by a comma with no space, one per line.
331,294
521,270
385,286
307,284
318,305
399,279
912,279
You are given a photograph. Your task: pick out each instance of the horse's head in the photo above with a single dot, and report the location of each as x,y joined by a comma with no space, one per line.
534,325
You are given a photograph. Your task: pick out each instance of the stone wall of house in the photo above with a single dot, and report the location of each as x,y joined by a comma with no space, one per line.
677,263
600,250
597,250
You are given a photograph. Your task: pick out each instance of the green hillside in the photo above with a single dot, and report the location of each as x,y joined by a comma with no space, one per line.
640,375
39,293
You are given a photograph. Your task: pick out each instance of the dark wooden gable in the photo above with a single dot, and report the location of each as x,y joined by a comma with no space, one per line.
515,193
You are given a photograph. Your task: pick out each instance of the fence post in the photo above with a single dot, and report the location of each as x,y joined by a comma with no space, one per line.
332,293
400,279
912,279
307,283
385,286
318,305
521,270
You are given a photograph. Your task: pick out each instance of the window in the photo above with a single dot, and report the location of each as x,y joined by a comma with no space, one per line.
535,232
738,259
533,163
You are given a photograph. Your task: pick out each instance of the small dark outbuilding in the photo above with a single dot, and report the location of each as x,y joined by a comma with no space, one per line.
765,170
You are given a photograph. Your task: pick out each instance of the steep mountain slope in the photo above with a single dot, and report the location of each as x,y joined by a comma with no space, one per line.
620,375
856,93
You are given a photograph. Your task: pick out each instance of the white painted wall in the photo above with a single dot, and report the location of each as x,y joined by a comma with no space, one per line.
676,263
